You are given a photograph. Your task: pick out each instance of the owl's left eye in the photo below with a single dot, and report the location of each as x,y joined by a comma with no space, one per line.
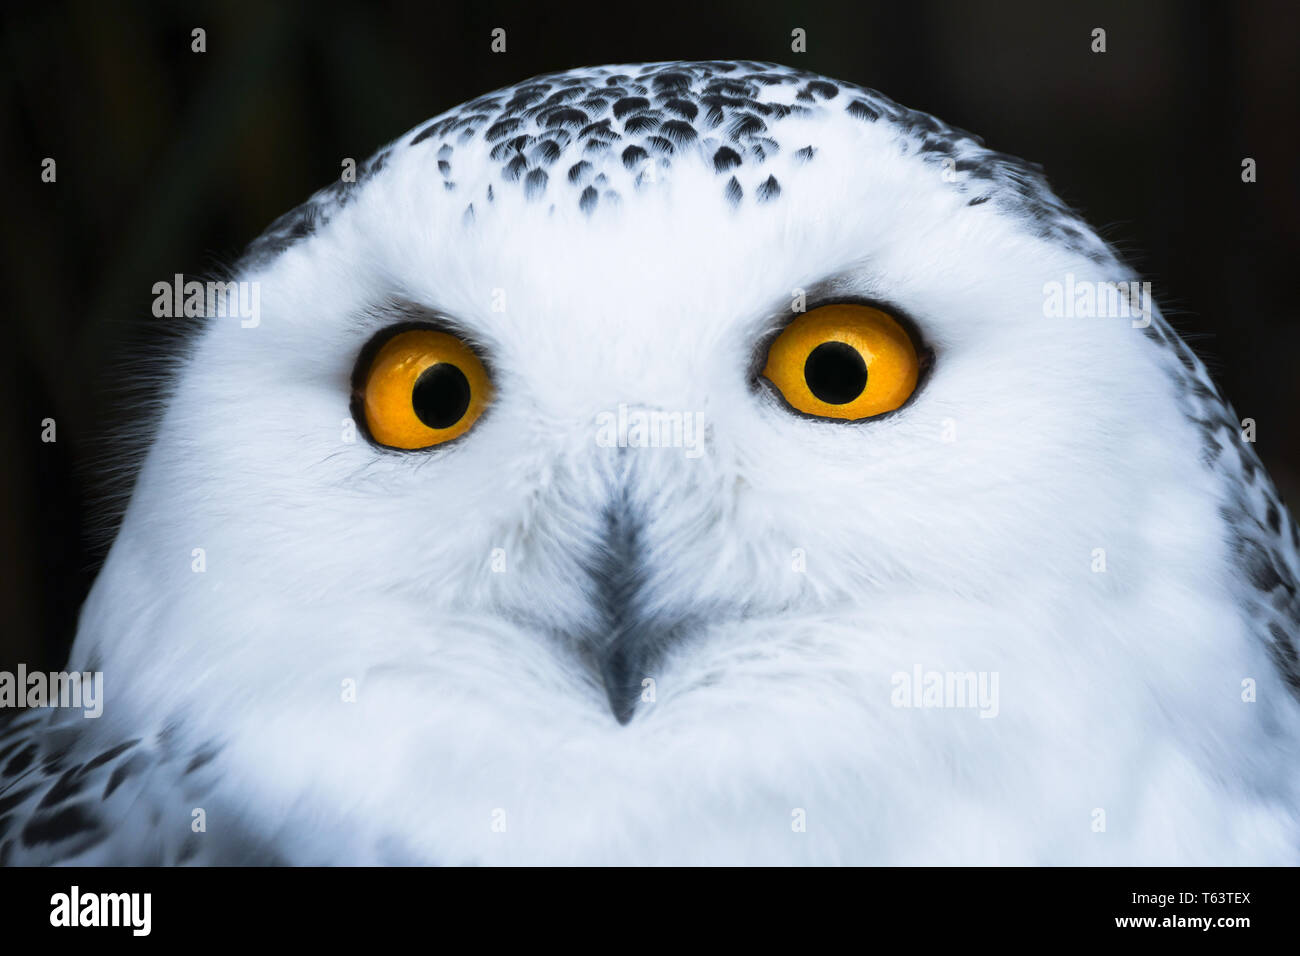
843,361
422,388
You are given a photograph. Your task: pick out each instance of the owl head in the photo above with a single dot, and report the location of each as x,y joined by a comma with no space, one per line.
604,450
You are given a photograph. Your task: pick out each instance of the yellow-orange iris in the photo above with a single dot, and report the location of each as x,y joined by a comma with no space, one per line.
423,388
843,361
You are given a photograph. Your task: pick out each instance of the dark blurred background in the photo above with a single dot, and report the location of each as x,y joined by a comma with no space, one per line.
170,161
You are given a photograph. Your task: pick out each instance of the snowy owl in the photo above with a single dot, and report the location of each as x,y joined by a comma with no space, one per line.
683,463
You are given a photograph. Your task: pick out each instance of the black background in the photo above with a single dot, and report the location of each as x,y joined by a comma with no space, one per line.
170,161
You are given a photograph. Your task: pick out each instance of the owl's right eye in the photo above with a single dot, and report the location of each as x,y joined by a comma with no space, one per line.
422,388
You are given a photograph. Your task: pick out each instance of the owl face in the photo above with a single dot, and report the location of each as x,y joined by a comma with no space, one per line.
603,455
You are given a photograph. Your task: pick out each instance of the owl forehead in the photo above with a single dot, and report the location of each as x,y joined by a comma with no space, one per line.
593,139
603,133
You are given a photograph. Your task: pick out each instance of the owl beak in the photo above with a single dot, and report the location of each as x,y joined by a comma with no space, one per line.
629,662
633,639
622,686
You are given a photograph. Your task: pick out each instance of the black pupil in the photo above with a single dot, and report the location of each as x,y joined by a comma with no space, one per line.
835,373
441,395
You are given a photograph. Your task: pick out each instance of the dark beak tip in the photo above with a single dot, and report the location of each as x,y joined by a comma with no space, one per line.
622,703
